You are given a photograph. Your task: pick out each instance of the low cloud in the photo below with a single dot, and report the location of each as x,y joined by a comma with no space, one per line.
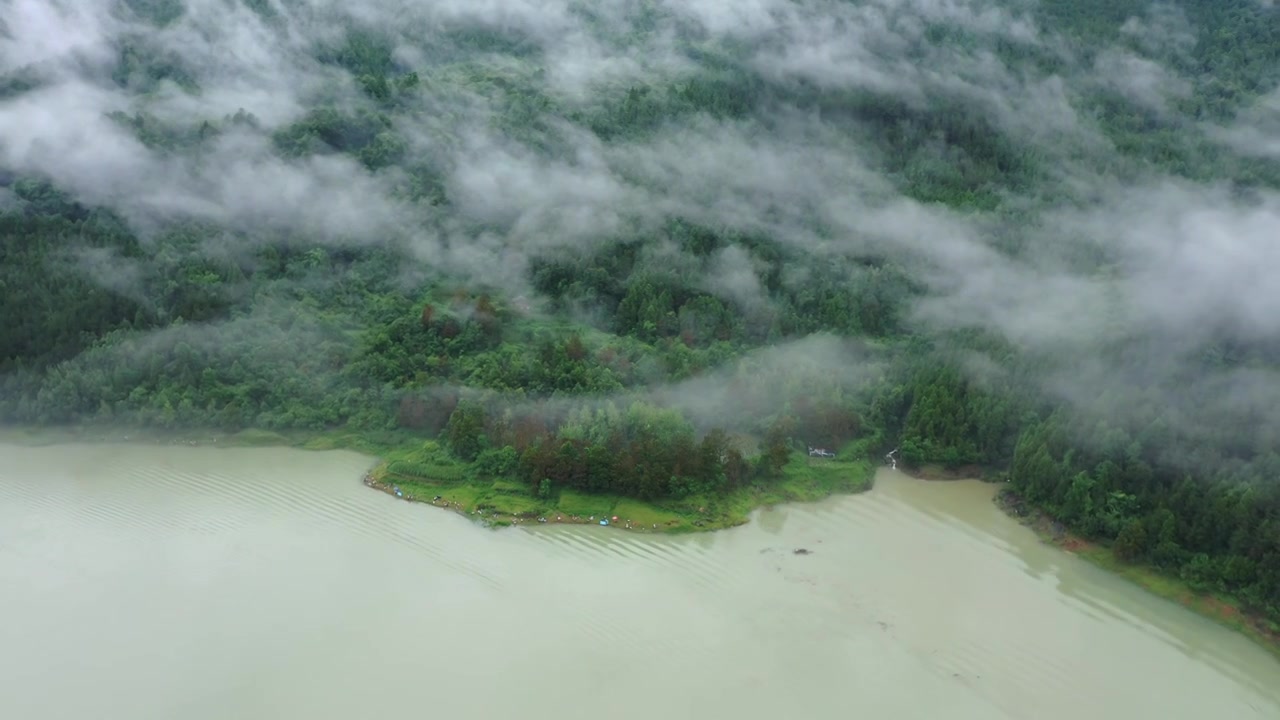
1144,82
1256,132
1102,250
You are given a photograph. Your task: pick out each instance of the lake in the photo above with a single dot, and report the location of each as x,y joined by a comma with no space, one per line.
186,582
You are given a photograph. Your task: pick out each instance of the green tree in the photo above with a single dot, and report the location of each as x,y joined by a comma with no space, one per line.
466,430
777,445
1131,544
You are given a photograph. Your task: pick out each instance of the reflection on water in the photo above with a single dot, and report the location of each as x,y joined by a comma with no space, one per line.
150,582
771,520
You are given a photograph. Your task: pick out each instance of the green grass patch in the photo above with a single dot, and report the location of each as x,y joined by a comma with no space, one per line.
806,478
426,471
426,461
646,515
572,502
733,509
466,495
508,504
510,487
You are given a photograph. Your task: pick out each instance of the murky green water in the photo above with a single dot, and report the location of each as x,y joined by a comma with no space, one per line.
170,582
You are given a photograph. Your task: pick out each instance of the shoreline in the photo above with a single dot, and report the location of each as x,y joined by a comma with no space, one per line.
1225,611
1222,610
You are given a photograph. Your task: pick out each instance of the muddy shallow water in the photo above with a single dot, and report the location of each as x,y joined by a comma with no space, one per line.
176,582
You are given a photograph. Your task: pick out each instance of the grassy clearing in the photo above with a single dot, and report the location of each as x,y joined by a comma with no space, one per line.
515,505
467,497
425,462
510,487
806,478
1223,609
573,503
645,515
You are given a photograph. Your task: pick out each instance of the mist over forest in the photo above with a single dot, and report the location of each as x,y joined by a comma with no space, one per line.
1034,237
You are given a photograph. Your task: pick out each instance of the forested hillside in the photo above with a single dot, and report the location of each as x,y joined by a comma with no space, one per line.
655,248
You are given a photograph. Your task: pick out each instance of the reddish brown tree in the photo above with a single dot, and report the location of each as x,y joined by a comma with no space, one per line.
574,348
412,412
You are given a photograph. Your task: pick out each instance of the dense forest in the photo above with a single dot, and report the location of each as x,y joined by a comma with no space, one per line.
657,250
